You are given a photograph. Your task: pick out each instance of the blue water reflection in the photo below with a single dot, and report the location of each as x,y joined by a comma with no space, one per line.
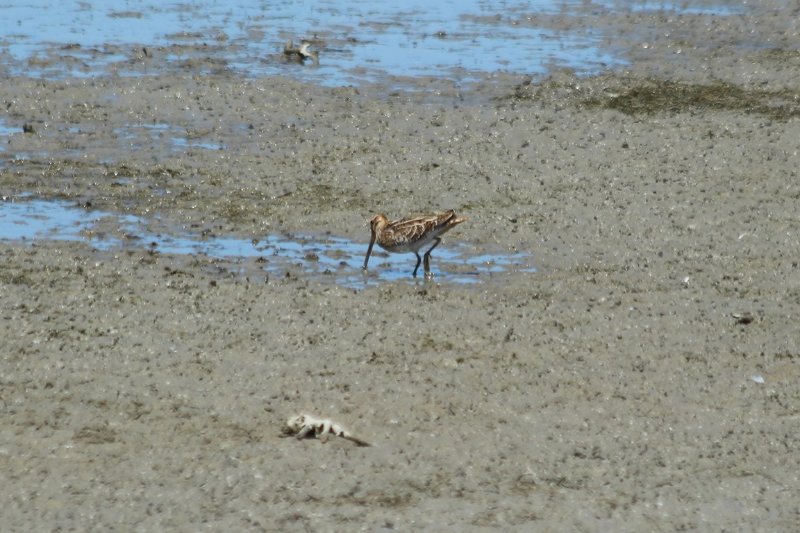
363,39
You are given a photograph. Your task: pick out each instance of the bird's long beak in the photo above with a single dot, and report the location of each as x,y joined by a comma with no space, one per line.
369,249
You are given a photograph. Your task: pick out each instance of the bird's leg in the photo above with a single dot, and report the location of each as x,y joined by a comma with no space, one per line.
419,260
427,267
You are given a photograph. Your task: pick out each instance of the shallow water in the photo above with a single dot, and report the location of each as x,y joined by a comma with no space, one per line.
358,41
325,257
161,132
5,129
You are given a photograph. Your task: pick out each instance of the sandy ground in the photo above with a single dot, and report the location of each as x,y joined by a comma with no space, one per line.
647,377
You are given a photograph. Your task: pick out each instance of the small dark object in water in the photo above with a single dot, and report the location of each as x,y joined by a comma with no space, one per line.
302,53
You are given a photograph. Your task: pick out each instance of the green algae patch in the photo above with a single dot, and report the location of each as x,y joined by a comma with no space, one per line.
655,96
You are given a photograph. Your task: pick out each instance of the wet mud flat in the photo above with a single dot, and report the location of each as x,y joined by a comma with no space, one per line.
645,376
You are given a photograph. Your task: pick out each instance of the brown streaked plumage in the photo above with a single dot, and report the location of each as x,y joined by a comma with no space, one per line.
411,234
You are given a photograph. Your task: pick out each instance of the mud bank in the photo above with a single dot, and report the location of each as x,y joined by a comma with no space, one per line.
645,377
